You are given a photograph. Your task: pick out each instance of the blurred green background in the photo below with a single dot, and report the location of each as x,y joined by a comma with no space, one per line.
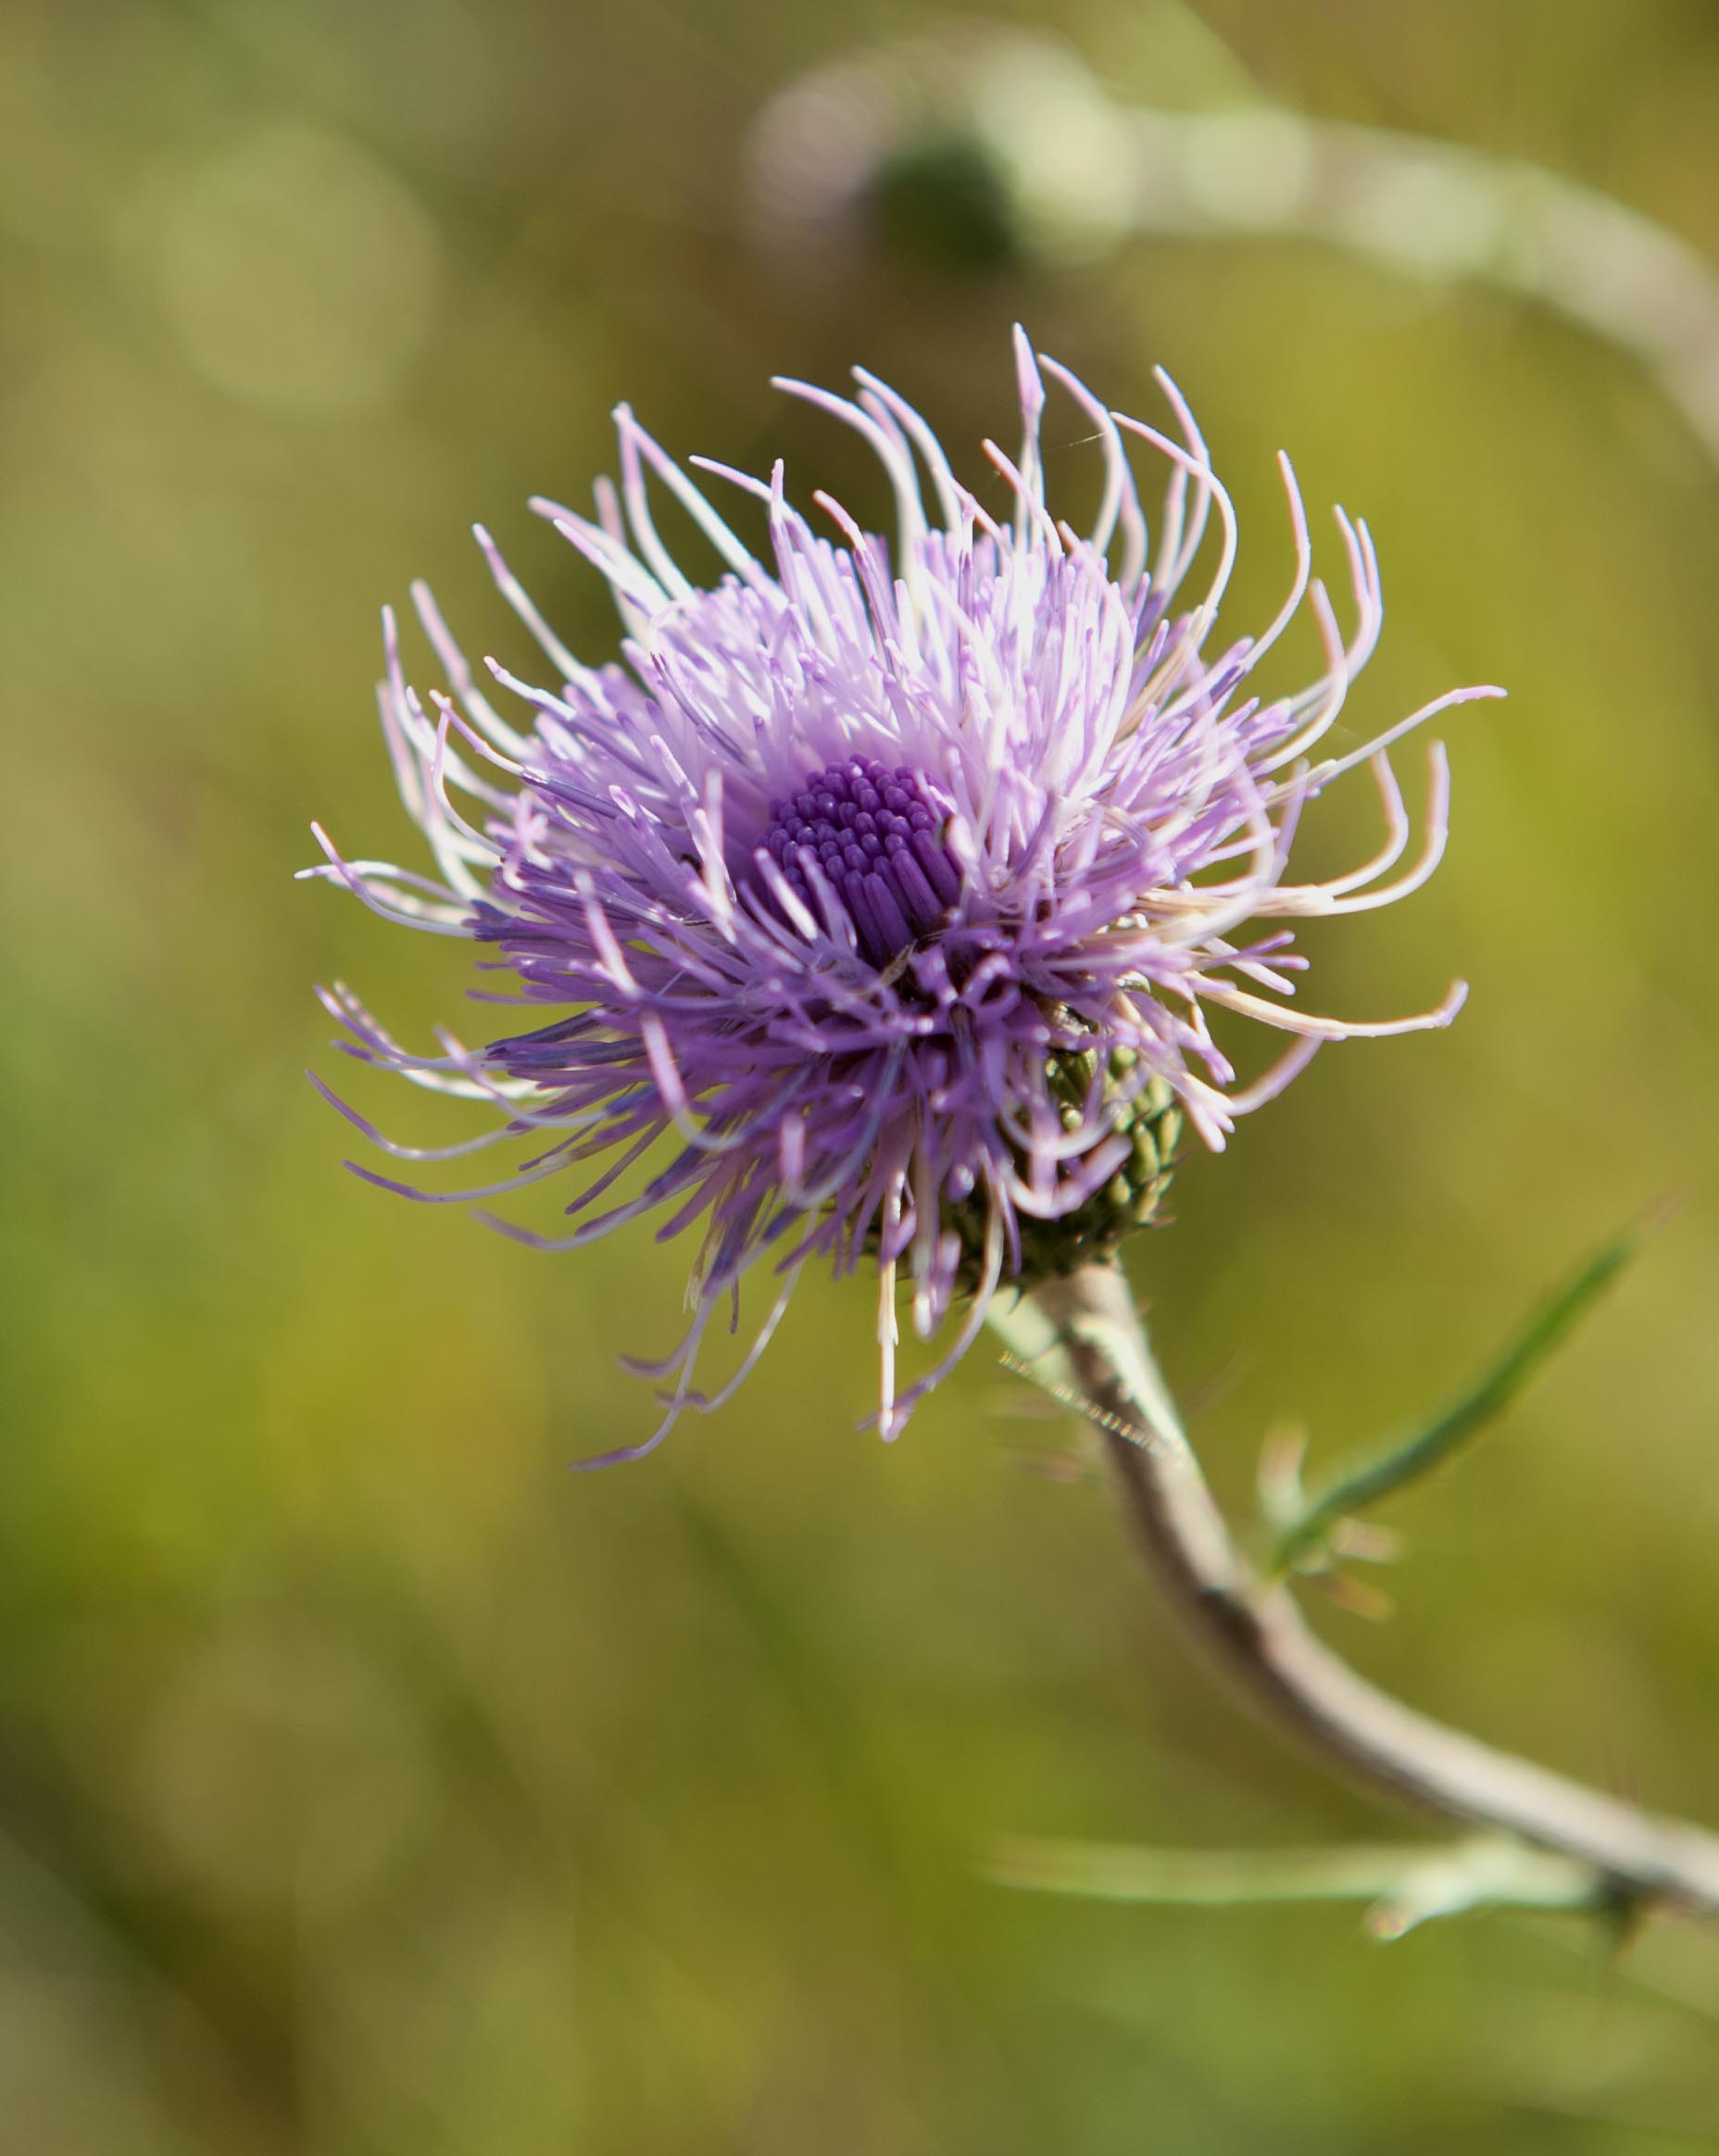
368,1783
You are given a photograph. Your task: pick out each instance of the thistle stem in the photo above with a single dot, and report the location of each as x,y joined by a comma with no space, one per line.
1259,1636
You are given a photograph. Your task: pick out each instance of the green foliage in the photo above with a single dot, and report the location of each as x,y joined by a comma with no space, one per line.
1304,1528
1403,1885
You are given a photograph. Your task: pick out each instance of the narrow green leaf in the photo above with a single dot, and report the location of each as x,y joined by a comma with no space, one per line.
1406,1885
1396,1465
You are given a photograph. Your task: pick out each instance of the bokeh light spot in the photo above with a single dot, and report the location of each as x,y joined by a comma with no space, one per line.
296,271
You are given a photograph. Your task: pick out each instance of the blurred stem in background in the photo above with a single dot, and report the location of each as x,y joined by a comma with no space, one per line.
980,145
1082,1337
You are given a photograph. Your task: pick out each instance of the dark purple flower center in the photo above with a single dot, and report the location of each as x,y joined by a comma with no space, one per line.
875,835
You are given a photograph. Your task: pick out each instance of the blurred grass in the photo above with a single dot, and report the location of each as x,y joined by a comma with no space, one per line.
366,1784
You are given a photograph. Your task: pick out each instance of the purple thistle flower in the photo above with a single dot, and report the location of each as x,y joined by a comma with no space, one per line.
893,891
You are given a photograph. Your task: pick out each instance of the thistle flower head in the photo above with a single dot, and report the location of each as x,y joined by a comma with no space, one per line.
875,907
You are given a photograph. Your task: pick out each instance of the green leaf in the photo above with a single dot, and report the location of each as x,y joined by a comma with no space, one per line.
1407,1459
1404,1884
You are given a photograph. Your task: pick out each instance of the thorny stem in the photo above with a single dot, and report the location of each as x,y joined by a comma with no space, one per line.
1259,1636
